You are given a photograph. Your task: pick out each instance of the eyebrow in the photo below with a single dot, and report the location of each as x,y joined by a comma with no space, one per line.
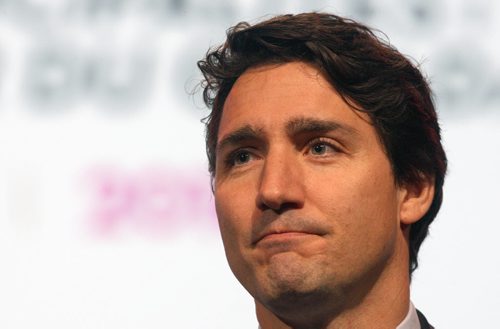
295,126
244,133
303,125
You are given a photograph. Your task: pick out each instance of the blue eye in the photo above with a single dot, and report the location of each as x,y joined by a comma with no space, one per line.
322,148
319,149
241,157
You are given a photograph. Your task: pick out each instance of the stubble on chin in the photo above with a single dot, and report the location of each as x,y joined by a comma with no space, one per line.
289,282
297,295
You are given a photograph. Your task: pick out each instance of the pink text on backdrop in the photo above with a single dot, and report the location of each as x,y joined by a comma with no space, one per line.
152,201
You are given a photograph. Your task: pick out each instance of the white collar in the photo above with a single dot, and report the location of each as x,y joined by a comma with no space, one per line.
411,320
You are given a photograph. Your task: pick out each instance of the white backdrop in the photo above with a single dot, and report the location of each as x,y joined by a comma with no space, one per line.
106,215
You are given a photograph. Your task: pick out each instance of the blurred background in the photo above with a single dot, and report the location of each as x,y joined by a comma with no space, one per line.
106,213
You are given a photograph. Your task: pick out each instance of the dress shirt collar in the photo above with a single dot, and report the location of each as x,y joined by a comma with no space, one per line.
409,322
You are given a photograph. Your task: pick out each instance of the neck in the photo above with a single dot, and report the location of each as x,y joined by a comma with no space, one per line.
384,305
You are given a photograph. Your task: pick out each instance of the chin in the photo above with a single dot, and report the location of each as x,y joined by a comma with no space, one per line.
285,300
285,287
289,286
290,272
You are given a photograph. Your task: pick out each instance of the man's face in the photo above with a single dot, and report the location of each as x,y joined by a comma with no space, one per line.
305,195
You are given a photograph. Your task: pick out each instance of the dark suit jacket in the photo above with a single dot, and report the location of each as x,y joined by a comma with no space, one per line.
424,324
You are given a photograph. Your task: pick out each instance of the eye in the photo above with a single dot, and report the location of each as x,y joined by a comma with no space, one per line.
239,158
322,148
319,149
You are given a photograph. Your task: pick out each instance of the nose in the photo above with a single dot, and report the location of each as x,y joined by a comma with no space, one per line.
281,183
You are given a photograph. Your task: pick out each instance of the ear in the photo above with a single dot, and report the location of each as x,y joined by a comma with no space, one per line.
415,200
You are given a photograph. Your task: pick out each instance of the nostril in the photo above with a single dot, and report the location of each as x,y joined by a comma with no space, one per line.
287,206
280,202
278,208
265,203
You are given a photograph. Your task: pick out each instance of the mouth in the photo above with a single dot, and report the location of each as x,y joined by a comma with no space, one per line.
273,236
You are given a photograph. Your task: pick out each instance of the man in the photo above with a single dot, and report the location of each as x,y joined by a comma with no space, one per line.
327,167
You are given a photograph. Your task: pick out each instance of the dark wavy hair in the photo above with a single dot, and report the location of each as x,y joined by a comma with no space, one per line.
368,73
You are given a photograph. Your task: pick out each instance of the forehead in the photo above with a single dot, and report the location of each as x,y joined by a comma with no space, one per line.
268,96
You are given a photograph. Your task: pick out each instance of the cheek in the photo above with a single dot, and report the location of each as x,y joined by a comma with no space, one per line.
362,207
235,228
234,220
226,219
372,190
